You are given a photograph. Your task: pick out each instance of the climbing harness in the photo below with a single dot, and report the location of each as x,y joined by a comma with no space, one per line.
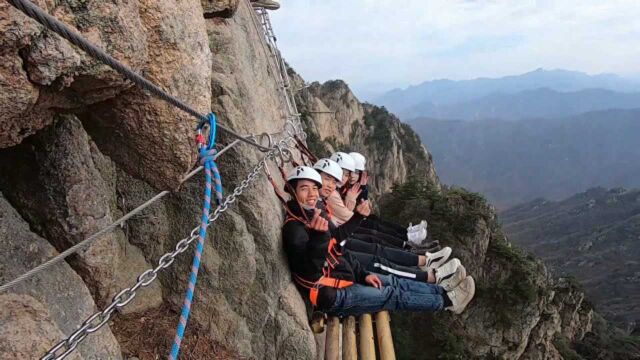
207,155
331,261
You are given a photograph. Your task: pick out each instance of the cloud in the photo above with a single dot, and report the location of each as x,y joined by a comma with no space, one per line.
379,44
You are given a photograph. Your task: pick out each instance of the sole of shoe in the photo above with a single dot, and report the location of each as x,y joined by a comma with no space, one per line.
468,299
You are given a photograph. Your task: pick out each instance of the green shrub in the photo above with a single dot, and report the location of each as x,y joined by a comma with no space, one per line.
564,348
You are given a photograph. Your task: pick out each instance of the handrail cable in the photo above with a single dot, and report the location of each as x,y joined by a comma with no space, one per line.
51,23
91,239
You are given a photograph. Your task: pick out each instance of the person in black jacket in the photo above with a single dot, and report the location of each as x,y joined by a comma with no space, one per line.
335,281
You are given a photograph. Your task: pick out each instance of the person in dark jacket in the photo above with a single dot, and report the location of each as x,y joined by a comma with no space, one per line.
335,281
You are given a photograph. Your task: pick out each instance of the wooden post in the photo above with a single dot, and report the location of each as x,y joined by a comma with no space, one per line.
317,322
349,346
332,345
367,345
385,340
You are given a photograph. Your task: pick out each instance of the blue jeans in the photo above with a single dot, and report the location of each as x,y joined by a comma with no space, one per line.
396,294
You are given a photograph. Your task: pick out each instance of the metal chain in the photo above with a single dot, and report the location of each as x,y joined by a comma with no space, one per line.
96,321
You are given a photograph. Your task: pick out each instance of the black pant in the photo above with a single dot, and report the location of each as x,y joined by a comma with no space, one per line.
396,256
375,223
377,237
379,265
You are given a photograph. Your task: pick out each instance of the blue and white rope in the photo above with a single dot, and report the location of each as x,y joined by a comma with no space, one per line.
211,173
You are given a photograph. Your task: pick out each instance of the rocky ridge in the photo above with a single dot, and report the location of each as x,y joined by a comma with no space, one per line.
591,236
337,121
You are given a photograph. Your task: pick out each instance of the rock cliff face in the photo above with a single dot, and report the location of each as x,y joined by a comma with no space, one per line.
519,311
102,147
336,121
79,147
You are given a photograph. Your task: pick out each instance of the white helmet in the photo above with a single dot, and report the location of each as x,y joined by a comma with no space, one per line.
330,167
344,160
359,160
306,173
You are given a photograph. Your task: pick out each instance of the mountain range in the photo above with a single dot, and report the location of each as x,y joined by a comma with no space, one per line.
487,97
593,236
517,161
534,103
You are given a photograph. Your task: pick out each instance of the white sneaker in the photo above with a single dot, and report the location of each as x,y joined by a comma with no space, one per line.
452,280
447,270
417,236
436,259
414,228
461,295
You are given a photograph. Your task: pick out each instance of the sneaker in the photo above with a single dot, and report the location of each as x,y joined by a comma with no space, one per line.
461,295
436,259
447,270
267,4
452,280
416,237
414,228
432,244
420,249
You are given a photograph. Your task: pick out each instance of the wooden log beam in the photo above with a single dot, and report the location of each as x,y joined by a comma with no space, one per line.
385,340
349,343
367,344
332,345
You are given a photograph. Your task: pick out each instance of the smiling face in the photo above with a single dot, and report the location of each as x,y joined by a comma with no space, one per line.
307,193
329,184
354,177
346,174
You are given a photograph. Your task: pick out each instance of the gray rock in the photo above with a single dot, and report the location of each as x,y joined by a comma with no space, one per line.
220,8
166,40
56,300
73,202
26,328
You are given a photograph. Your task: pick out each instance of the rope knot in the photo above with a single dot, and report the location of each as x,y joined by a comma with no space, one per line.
207,155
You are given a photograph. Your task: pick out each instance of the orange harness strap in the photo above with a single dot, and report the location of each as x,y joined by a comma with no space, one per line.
314,287
326,279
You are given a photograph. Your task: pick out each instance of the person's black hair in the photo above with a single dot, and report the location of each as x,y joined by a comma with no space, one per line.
291,187
293,183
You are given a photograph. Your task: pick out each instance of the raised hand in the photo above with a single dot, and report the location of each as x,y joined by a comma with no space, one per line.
354,190
364,208
318,223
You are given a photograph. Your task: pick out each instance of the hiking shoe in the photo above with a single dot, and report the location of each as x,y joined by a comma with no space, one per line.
436,259
267,4
447,270
450,281
432,246
461,295
422,250
414,228
416,237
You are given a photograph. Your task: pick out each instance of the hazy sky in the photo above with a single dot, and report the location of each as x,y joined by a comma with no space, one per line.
379,44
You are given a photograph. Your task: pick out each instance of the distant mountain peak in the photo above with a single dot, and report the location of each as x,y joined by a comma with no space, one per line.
450,92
